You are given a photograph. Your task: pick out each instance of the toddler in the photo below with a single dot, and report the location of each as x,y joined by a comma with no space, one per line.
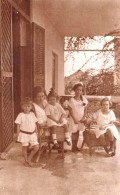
56,118
26,130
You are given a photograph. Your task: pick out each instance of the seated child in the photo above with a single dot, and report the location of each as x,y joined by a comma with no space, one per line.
56,118
105,119
26,130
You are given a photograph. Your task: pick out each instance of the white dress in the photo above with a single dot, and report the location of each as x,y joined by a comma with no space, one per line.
78,108
104,120
56,112
40,114
27,123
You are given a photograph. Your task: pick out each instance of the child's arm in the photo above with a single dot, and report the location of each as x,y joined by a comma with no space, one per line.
52,118
18,129
72,115
85,114
61,118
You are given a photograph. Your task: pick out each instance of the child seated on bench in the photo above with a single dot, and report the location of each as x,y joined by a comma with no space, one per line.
105,119
56,118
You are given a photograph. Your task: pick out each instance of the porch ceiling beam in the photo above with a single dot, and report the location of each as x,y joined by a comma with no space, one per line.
13,4
89,50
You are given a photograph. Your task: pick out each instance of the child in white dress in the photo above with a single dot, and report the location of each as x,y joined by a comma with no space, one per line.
26,130
56,118
77,108
105,119
40,105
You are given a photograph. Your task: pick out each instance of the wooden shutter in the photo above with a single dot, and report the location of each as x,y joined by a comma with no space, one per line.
6,76
38,56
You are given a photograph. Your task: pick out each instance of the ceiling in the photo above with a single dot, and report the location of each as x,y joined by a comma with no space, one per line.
82,17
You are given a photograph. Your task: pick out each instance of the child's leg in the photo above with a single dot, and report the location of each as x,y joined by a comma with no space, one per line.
67,134
75,137
33,152
25,150
110,137
53,131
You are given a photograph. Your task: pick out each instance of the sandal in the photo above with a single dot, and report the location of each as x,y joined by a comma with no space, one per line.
68,142
111,152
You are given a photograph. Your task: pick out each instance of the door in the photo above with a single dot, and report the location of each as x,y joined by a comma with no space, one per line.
6,75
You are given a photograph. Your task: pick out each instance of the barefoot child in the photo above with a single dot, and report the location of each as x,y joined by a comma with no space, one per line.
26,130
56,118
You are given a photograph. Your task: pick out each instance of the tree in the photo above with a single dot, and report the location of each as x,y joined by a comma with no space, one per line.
104,79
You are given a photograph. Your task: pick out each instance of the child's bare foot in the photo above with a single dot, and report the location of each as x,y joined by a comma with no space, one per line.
26,164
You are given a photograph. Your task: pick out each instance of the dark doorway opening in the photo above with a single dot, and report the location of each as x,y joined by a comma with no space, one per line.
22,70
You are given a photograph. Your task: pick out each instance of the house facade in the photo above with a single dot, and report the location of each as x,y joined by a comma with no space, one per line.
32,47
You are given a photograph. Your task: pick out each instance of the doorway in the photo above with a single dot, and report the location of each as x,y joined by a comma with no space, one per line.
22,70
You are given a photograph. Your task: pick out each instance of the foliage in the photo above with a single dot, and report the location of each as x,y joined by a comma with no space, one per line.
101,83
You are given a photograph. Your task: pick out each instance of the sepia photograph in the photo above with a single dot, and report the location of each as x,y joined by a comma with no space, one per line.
59,97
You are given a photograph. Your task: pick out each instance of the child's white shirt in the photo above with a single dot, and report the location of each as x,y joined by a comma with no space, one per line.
27,122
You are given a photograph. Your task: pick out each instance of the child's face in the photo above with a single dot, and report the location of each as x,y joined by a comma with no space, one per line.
78,91
52,100
105,105
40,97
27,108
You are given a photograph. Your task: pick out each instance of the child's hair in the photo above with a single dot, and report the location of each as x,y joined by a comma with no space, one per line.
106,99
52,93
37,90
77,85
26,100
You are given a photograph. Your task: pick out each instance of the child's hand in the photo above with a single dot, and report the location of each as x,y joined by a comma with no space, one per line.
60,121
76,121
101,127
83,119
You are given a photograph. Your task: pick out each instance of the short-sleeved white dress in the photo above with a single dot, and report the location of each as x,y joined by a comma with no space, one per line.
27,123
78,108
104,120
56,112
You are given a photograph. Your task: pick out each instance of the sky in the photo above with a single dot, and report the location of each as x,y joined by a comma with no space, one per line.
78,59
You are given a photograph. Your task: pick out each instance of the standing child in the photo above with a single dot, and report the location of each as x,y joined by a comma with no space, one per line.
56,118
26,130
77,108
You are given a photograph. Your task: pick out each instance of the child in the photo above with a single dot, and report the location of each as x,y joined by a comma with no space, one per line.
39,105
105,119
77,108
56,118
26,130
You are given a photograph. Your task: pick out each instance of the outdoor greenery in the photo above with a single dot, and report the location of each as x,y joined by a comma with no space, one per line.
101,82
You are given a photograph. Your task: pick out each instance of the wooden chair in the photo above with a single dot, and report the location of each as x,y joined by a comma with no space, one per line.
89,138
45,138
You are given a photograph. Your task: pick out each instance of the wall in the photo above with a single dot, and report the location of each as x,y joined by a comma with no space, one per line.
54,42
